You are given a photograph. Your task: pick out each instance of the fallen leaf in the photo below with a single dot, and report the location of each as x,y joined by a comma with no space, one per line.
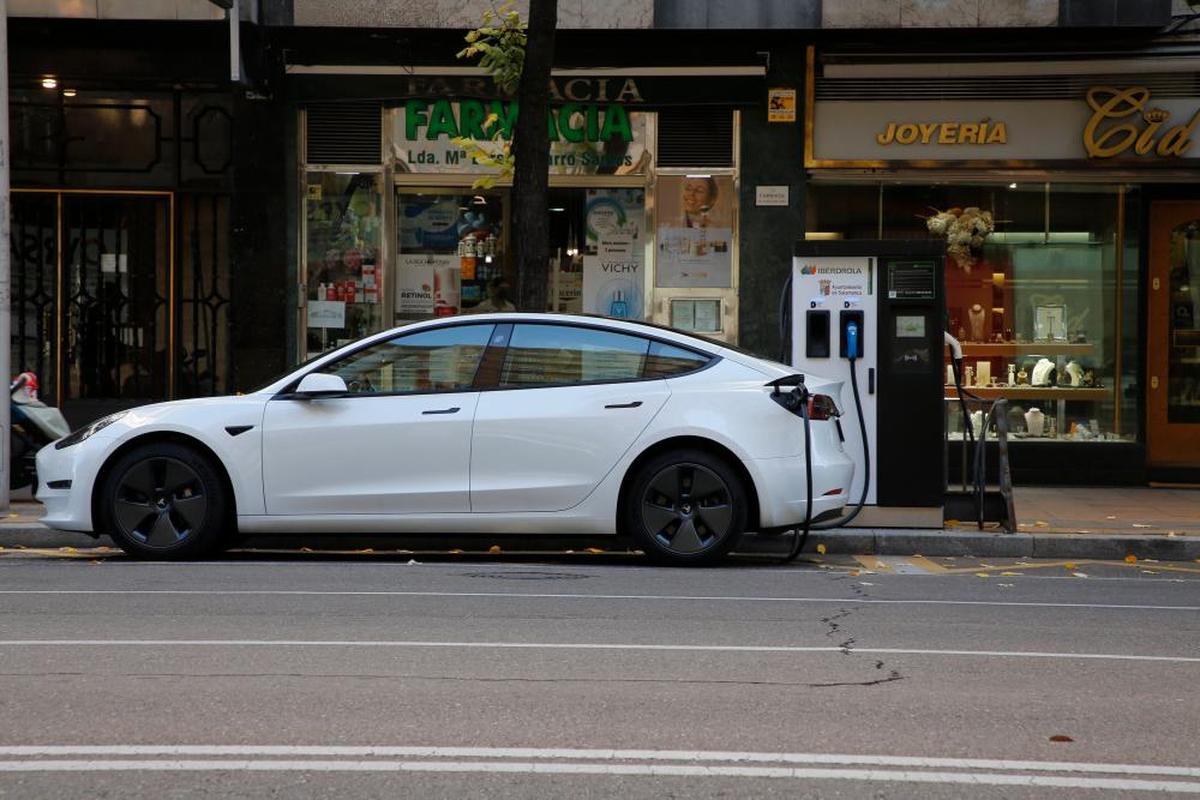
1007,585
1042,524
982,575
1010,575
456,550
1131,559
306,549
821,549
594,550
1059,737
865,583
853,573
494,548
366,550
95,561
1140,525
950,523
1070,565
412,562
1149,572
1111,516
1079,574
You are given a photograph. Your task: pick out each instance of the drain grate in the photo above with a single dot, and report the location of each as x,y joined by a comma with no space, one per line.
526,575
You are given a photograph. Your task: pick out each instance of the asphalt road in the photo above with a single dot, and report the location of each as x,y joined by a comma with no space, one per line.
593,677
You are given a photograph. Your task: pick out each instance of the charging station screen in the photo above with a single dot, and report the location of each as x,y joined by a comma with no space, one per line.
910,327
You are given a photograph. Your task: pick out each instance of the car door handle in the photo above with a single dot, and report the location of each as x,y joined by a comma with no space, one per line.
451,410
634,404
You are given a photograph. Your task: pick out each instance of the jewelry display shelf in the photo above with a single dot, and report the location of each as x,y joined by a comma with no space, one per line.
1001,349
1033,392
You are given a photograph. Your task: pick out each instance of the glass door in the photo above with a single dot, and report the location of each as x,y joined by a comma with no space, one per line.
1173,336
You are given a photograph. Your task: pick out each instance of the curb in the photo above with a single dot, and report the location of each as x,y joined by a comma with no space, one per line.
1007,545
847,541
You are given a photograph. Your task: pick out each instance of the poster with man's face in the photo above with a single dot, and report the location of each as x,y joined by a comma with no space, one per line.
695,231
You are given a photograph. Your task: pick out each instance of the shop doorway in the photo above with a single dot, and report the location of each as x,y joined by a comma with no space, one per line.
110,307
1173,336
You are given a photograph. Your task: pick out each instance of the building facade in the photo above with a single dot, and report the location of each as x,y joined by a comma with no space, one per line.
692,144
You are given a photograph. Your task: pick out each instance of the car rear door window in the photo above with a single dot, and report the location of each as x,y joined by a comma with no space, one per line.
439,360
665,360
556,355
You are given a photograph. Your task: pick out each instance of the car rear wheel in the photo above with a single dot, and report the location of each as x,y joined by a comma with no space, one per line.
164,501
686,507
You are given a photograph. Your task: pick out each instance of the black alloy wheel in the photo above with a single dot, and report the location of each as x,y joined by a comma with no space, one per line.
687,507
164,501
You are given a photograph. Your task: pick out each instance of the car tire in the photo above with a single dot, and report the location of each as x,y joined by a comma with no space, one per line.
164,501
686,508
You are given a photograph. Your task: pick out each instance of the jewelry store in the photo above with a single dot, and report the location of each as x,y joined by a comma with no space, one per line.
643,200
1064,191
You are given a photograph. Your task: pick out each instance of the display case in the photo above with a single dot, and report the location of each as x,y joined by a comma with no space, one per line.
343,268
1036,324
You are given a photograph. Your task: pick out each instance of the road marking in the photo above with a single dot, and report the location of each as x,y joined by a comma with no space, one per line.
624,646
570,596
874,563
605,754
925,564
656,770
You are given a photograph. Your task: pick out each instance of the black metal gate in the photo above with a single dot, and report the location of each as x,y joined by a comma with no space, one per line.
120,298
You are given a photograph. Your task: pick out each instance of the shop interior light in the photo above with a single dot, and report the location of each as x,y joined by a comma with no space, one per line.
479,200
558,208
822,236
1012,186
49,82
698,176
68,92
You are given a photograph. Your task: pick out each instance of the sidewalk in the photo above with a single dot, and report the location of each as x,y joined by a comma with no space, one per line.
1091,522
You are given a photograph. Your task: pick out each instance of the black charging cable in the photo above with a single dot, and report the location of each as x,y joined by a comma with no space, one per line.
802,396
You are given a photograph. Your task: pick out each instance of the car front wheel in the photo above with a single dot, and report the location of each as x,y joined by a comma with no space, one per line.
686,507
163,501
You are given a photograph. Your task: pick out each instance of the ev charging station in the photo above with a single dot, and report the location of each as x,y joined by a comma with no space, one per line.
877,308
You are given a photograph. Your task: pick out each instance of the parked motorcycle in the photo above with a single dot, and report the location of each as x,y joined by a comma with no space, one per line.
34,425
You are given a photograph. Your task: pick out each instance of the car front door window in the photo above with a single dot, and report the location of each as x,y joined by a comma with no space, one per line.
440,360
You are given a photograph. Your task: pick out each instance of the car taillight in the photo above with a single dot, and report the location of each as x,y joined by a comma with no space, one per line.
822,407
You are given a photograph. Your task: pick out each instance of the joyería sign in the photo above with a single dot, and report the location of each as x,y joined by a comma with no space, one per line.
1107,124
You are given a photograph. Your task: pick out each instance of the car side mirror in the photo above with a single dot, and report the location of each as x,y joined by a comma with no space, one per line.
320,384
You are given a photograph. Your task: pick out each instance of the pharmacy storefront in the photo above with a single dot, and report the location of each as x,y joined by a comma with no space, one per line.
642,208
1065,194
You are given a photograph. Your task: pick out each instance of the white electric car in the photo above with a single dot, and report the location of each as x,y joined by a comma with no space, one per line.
493,423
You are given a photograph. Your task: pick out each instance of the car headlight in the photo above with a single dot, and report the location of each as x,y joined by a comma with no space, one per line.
79,435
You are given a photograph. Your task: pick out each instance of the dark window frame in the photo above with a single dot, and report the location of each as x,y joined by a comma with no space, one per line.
494,351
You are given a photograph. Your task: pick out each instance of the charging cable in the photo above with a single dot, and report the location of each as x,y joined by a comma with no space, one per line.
801,395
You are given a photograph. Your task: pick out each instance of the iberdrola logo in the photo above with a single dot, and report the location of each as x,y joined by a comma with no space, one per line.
808,269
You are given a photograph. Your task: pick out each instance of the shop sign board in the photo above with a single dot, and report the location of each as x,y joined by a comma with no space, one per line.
585,138
1125,124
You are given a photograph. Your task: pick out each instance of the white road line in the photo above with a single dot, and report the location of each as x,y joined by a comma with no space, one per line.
572,596
707,756
656,770
624,646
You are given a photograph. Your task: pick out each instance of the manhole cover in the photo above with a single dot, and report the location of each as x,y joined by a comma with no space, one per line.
526,575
